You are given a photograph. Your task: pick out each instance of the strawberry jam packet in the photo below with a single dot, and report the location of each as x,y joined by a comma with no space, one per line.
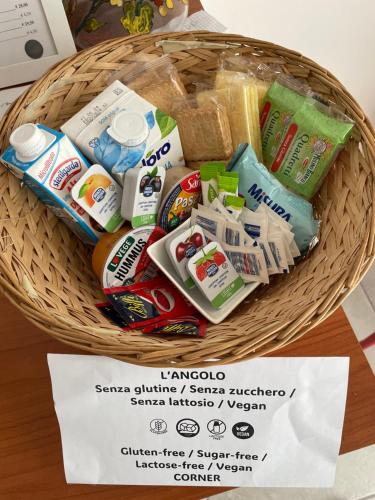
214,274
194,326
143,304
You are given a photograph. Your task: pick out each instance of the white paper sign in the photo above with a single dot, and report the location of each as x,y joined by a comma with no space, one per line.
265,422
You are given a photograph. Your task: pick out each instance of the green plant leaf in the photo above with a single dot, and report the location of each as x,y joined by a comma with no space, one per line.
153,172
166,123
211,253
149,153
200,261
83,190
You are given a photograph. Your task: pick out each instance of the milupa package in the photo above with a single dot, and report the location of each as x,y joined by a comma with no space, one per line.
121,130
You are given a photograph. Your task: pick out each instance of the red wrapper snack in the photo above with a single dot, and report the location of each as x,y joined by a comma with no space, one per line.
194,326
107,309
143,304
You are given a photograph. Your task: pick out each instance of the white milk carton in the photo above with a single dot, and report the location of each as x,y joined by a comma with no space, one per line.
50,165
121,130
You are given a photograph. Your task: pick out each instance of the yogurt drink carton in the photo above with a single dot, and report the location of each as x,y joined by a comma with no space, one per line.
50,165
121,130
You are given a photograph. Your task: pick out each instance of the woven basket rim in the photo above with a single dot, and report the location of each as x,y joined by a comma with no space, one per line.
15,292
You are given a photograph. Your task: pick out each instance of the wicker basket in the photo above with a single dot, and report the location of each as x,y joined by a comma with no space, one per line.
46,272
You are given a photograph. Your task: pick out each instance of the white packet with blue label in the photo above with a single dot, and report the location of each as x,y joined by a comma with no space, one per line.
256,227
284,226
258,186
121,130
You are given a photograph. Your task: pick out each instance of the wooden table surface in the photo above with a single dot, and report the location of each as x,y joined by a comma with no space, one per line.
31,465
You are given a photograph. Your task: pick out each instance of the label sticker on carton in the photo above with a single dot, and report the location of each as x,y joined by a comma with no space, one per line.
142,195
100,196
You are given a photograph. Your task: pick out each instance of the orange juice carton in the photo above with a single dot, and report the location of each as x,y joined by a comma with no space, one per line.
50,165
100,196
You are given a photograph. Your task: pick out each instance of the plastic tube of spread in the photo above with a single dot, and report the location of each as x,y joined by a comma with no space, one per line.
209,172
256,226
234,205
243,108
257,185
227,183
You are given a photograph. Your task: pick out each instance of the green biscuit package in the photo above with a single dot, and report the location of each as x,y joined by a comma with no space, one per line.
280,105
311,143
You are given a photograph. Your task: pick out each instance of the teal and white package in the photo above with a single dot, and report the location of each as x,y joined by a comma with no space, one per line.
257,185
50,165
120,130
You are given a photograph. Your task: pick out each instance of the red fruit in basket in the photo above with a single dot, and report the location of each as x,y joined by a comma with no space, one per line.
196,239
219,258
201,272
181,251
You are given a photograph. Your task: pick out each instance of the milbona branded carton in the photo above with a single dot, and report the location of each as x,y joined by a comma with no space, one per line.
121,130
49,164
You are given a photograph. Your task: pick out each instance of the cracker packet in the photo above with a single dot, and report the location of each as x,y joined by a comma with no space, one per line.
242,103
261,75
156,80
204,129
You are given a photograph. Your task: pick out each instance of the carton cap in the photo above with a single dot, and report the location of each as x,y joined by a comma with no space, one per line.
129,128
28,141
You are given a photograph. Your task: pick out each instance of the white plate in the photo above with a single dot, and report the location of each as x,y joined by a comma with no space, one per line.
158,254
